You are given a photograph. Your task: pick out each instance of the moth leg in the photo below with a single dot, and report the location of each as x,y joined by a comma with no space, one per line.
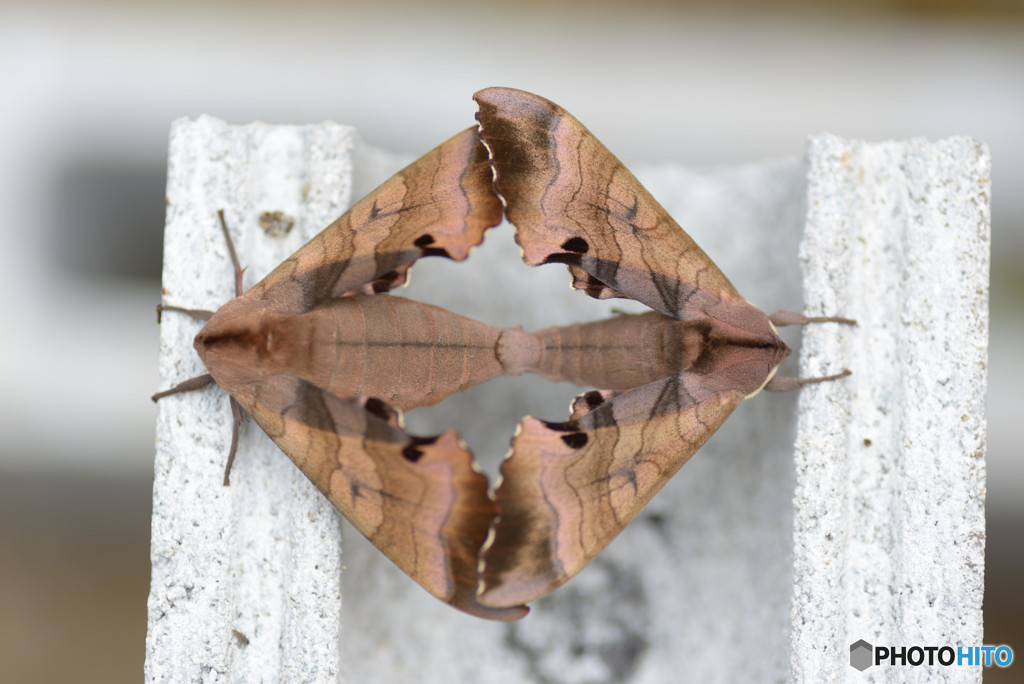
236,422
190,385
205,314
198,314
232,252
202,381
199,382
782,384
781,318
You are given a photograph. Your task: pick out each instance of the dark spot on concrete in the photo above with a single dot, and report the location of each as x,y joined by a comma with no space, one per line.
606,623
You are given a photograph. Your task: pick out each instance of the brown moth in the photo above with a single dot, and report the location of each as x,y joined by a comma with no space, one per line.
322,358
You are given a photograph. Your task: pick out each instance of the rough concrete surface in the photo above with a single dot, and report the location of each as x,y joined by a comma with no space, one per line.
890,520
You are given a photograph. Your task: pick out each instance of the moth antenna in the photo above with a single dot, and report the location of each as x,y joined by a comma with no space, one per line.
190,385
205,314
198,314
779,384
231,250
236,423
781,318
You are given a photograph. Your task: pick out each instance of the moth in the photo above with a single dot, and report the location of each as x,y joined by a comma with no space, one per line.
324,359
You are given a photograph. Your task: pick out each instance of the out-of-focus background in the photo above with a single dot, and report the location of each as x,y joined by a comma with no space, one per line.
89,91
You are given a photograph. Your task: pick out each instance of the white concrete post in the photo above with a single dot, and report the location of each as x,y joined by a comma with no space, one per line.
890,499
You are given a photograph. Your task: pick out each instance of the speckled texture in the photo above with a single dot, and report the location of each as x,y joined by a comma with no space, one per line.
224,558
890,527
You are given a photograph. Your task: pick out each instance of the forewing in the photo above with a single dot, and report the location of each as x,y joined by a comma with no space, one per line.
569,488
440,205
573,202
418,500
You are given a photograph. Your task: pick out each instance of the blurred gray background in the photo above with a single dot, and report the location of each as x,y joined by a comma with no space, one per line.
89,91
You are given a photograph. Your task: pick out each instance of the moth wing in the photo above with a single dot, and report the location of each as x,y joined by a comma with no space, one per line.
568,489
418,500
572,201
440,205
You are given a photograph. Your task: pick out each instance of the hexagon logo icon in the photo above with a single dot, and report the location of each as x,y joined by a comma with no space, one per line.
860,655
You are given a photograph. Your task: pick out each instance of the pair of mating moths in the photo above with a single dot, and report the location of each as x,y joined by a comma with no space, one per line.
309,353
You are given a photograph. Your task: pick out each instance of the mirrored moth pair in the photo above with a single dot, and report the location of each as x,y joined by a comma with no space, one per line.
323,359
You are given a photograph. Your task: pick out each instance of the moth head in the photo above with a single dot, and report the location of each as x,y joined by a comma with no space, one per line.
241,340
